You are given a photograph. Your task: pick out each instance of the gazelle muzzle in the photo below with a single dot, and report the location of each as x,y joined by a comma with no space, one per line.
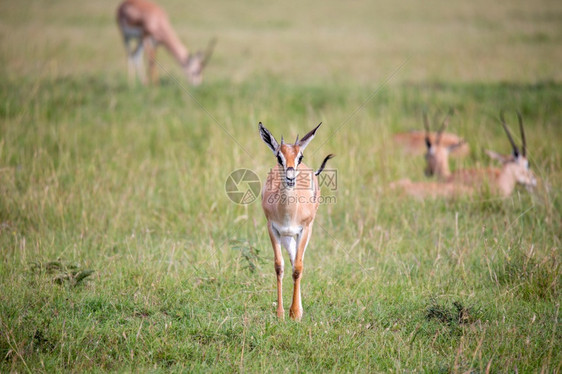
290,176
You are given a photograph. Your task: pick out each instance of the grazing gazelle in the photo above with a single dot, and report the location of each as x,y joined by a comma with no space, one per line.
414,142
290,199
148,24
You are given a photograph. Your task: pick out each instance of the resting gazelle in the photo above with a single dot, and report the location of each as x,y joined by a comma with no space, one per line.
515,170
290,199
414,142
437,150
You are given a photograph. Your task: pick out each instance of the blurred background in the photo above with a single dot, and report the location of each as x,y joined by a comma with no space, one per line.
356,41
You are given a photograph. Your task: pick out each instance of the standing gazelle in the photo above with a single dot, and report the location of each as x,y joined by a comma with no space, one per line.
148,24
290,199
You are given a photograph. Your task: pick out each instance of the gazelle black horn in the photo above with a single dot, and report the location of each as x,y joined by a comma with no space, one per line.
444,126
523,141
513,145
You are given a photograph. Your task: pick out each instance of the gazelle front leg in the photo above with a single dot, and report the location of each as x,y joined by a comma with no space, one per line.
279,268
295,312
132,57
130,61
136,61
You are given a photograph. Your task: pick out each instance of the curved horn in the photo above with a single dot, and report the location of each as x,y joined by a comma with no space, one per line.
513,145
444,125
523,141
282,141
209,51
297,140
426,126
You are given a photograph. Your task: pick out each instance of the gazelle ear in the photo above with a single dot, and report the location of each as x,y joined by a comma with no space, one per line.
268,138
209,51
499,157
307,138
452,147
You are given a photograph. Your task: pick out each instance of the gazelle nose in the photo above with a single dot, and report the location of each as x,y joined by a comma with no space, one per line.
290,176
290,173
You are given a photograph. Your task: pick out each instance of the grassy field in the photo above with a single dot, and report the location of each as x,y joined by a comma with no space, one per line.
120,250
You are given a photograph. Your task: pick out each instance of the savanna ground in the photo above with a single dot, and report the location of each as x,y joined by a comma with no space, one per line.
121,251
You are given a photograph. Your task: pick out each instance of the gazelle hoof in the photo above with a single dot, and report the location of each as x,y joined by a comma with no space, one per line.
295,315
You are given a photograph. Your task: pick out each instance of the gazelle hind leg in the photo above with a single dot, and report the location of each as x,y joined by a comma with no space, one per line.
279,268
150,47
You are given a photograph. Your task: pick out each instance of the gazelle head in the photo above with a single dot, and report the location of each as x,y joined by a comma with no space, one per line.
289,156
517,166
437,155
193,67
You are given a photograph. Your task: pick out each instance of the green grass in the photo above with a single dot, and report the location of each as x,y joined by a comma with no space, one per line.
128,182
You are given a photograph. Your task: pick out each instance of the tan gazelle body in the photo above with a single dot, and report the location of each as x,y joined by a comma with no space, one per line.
432,189
148,24
290,199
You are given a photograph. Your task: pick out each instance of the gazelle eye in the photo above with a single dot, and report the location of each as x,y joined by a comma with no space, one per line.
279,160
299,160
